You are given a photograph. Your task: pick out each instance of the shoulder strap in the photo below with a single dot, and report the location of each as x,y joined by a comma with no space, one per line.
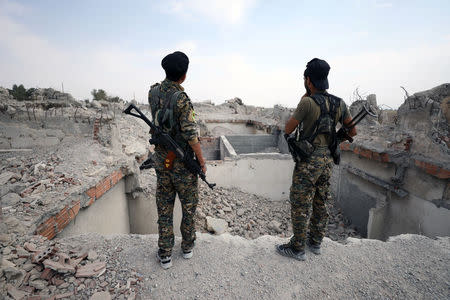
321,101
154,98
169,108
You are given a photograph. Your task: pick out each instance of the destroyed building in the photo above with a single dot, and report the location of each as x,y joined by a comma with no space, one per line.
70,168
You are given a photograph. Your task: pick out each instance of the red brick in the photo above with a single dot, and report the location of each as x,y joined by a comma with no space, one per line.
345,146
102,187
47,274
73,211
427,167
443,174
366,153
384,157
91,192
376,156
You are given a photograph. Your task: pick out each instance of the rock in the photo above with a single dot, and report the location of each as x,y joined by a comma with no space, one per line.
58,267
240,212
92,255
22,253
6,263
135,149
10,199
7,251
15,293
12,273
28,267
64,285
6,176
227,209
218,226
38,168
90,270
275,225
100,296
38,284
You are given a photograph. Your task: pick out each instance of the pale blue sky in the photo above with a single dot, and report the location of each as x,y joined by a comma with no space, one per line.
255,50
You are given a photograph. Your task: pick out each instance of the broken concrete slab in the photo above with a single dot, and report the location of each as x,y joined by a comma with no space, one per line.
10,199
6,176
91,270
38,284
43,255
76,261
30,247
12,273
58,267
15,293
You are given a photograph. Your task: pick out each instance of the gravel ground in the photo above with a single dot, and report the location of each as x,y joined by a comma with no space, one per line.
230,267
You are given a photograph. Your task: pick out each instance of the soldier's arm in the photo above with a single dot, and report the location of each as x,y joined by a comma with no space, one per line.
188,127
302,110
291,125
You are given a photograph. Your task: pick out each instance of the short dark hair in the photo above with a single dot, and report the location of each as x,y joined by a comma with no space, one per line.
175,65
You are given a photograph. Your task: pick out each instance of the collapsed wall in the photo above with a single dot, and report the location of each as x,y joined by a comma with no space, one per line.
395,177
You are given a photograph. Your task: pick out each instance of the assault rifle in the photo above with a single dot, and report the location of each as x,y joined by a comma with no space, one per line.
161,138
342,134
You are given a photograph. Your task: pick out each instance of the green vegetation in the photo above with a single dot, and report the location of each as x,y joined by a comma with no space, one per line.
19,92
102,95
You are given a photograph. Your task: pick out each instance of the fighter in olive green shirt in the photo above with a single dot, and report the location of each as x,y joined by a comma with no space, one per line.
308,112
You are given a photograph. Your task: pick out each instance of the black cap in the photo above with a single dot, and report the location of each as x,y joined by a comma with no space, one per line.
176,65
317,70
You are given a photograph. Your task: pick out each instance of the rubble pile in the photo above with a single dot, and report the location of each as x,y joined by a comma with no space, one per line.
49,93
252,216
60,270
424,116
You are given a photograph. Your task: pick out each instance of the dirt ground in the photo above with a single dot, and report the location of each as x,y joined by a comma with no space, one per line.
231,267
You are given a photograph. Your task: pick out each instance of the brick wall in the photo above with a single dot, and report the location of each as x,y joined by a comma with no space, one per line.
427,167
56,223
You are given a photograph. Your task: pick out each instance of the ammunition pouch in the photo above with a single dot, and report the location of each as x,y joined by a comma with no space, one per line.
301,150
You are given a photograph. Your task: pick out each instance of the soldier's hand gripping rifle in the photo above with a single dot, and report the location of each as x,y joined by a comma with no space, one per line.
161,138
342,134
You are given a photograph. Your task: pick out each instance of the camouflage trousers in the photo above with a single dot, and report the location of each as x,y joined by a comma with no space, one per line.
169,183
310,192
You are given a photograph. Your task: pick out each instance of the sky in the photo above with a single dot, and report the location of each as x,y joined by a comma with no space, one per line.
256,50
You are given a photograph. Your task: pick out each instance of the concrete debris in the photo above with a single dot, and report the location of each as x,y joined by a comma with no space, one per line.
275,225
91,270
10,199
63,273
38,284
59,267
92,255
266,217
100,296
12,273
43,255
30,247
15,293
6,176
217,226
